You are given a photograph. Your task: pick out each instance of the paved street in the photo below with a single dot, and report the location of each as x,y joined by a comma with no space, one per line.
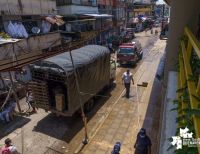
128,115
114,118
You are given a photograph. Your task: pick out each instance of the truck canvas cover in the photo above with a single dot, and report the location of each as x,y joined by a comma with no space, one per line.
81,57
92,64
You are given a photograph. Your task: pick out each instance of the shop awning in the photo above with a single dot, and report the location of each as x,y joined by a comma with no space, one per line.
82,20
99,15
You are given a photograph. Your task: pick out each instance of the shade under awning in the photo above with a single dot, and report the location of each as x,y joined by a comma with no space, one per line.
99,15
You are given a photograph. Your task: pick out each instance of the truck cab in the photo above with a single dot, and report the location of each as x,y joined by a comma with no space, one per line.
129,53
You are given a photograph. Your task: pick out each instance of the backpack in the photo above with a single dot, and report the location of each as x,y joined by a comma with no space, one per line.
5,150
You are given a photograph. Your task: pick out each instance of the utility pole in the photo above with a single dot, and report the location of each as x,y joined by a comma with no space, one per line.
3,83
163,15
126,12
85,141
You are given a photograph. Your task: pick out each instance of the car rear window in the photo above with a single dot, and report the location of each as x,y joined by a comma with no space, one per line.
126,50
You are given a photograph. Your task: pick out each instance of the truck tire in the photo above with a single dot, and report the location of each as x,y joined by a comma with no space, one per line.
89,105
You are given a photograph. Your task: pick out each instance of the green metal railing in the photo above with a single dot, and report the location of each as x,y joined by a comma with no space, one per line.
189,45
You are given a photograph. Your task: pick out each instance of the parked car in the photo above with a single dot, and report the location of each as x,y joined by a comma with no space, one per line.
129,53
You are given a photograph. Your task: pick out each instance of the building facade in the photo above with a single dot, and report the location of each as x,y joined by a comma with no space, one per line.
68,7
181,75
27,7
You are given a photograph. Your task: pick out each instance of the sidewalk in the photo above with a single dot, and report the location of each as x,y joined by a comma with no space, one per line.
129,115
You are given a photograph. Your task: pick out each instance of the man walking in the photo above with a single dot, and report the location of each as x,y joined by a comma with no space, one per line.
126,80
30,100
143,143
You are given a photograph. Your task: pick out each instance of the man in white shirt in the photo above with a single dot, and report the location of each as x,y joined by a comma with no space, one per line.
126,80
30,100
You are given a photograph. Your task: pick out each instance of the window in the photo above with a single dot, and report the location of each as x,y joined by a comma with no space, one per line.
126,50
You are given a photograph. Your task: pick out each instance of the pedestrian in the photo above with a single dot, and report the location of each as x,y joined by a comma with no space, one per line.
7,113
156,32
116,148
126,80
110,47
30,100
143,143
8,148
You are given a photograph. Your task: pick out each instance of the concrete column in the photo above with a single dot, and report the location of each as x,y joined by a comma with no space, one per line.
183,12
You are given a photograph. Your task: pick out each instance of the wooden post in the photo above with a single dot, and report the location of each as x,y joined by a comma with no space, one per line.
85,141
1,78
14,92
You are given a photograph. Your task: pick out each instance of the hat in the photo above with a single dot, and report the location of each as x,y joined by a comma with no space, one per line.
142,132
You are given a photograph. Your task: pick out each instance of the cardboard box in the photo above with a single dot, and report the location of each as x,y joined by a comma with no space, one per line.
60,102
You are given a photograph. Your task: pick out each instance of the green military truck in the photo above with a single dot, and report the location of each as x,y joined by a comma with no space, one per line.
53,79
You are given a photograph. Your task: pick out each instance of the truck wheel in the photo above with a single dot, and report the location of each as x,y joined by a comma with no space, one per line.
89,105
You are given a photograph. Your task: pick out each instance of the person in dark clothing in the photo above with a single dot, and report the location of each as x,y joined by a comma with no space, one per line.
143,143
117,148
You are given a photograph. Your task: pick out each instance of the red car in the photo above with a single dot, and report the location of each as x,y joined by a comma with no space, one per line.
129,53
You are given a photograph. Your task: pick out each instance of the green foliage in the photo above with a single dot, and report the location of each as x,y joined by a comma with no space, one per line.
187,150
192,78
176,101
186,120
195,65
183,38
181,90
197,98
195,112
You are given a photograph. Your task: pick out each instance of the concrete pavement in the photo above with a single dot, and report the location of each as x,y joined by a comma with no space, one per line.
129,115
46,133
